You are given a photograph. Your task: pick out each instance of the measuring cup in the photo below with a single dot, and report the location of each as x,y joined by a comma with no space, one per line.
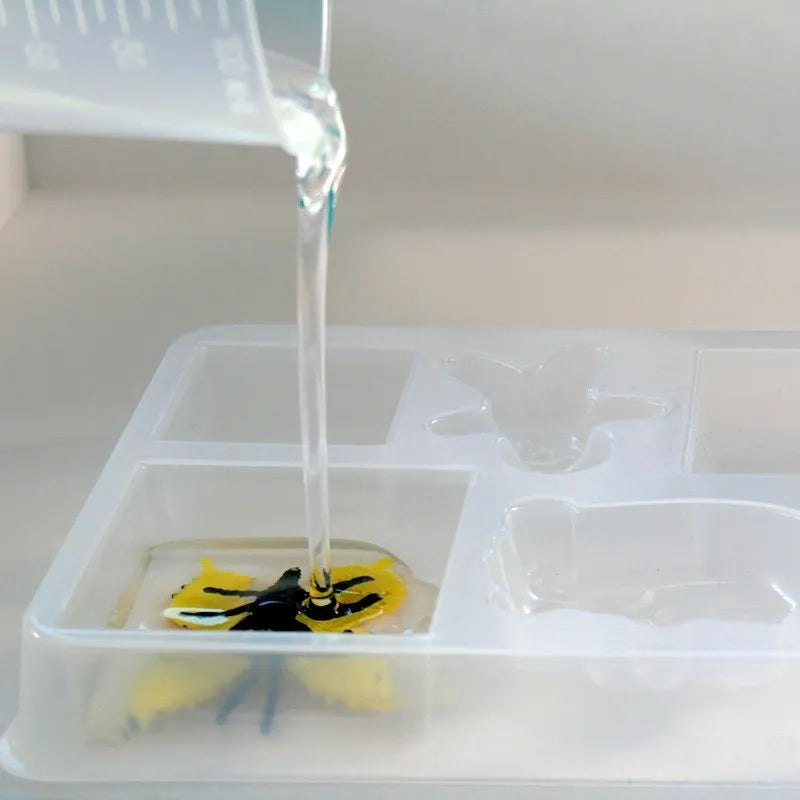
204,70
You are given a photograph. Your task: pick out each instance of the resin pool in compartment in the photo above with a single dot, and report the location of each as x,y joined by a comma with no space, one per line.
249,519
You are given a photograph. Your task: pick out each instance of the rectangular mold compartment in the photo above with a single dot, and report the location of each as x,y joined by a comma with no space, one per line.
98,660
745,416
193,509
247,392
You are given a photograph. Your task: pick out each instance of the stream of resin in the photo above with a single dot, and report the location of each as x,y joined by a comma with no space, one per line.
313,125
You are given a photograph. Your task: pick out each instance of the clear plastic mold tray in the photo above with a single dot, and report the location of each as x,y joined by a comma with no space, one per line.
612,522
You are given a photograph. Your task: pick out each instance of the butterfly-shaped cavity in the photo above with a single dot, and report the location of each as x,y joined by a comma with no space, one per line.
547,413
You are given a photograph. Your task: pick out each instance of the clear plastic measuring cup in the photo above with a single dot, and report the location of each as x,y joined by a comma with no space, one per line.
203,70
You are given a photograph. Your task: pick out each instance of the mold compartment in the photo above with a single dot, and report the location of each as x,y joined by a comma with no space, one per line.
745,416
174,514
656,563
549,416
108,686
248,393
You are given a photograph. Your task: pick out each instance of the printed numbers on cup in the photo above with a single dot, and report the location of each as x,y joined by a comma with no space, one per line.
231,57
129,54
42,55
239,97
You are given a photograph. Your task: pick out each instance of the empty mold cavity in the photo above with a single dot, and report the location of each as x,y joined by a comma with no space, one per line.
250,519
660,563
547,414
746,416
248,393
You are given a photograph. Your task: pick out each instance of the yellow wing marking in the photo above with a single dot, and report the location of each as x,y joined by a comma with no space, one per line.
174,684
359,683
385,582
192,595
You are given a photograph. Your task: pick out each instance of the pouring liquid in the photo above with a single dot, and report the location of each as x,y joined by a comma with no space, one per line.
314,130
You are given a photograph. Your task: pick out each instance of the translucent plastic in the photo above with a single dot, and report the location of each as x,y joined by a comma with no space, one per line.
181,69
629,617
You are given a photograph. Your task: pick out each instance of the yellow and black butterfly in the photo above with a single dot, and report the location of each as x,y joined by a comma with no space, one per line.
360,593
212,600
